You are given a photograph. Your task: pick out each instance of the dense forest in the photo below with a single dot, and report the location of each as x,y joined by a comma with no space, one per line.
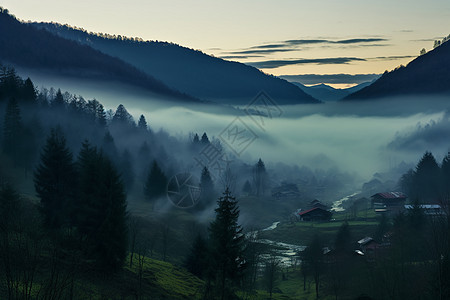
84,195
99,202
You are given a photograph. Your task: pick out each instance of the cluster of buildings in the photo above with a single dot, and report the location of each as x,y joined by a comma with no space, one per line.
387,203
392,203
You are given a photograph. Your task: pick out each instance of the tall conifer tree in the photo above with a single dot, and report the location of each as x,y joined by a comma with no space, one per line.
55,181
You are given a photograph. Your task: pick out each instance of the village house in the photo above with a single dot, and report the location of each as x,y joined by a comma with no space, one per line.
388,202
432,210
368,245
285,191
315,214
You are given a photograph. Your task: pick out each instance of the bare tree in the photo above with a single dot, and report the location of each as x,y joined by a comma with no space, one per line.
165,234
141,255
270,273
134,226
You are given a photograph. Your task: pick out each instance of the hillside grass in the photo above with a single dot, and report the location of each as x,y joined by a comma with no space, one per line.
302,232
166,279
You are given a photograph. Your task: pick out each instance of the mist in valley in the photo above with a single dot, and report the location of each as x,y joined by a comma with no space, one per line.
143,169
358,138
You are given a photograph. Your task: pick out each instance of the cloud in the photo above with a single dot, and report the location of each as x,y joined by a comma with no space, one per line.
428,39
394,57
293,45
305,42
272,64
358,41
239,56
331,78
301,42
262,51
269,46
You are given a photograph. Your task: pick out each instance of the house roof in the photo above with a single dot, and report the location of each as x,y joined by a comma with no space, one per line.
390,195
310,210
425,206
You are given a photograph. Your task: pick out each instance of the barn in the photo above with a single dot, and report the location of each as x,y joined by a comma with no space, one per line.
315,214
389,202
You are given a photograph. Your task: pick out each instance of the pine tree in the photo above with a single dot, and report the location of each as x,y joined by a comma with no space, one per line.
28,91
407,182
100,115
89,169
122,117
96,112
207,188
10,83
247,188
18,140
10,207
204,139
156,184
12,129
227,246
313,261
142,124
55,181
196,261
342,243
109,147
101,217
260,178
416,215
196,139
445,182
426,179
112,238
58,102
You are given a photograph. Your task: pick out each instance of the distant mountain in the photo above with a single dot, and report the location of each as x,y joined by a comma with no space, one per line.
26,46
327,93
188,70
427,74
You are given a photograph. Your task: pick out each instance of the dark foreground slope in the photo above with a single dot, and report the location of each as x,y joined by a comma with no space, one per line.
188,70
427,74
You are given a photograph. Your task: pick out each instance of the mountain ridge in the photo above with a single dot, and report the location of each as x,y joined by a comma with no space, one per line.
427,74
23,45
327,93
188,70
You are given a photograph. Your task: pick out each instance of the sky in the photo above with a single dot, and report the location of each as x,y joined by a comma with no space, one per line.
283,37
